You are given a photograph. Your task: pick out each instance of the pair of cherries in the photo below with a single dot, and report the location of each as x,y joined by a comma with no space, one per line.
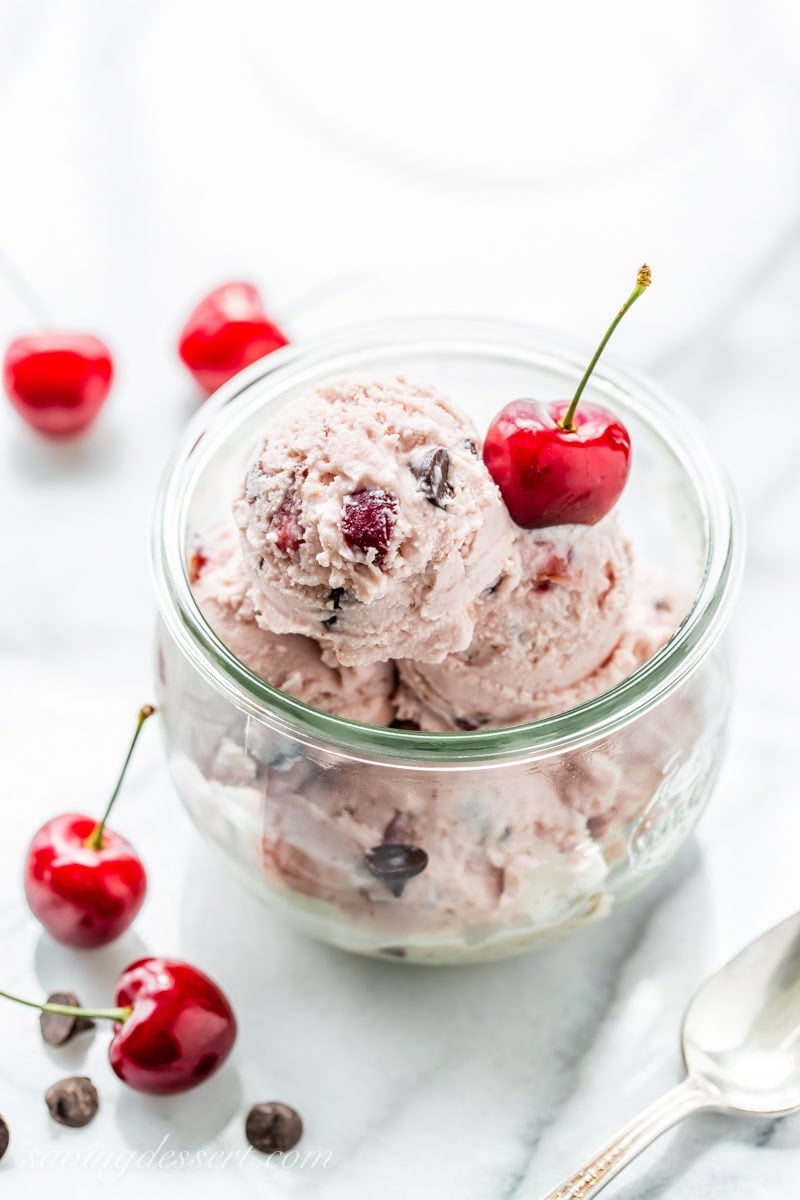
85,883
58,382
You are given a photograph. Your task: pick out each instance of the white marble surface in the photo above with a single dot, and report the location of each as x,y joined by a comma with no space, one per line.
360,158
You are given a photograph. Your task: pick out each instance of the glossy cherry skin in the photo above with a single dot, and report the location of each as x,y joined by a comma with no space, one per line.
181,1029
226,332
552,476
82,896
58,381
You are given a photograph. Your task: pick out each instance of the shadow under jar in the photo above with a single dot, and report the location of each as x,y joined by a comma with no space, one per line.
511,835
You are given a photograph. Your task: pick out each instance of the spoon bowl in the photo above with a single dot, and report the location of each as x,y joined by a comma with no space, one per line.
741,1046
741,1034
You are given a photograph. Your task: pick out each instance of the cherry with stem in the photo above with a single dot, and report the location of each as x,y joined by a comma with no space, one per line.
173,1025
643,280
556,463
84,882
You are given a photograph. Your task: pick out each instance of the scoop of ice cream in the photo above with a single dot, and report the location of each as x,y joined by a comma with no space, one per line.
369,522
541,633
290,662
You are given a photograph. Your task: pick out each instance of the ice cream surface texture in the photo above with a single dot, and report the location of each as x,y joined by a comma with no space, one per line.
544,629
287,661
370,523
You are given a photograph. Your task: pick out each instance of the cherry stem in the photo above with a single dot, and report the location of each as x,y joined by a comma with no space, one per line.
643,280
95,838
70,1010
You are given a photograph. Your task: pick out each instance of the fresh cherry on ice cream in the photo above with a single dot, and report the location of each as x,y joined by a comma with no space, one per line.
556,463
228,330
84,882
174,1027
58,381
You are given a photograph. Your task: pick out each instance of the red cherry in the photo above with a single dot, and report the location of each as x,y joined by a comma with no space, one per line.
368,521
552,476
556,464
173,1026
180,1030
83,896
84,882
226,332
58,381
289,532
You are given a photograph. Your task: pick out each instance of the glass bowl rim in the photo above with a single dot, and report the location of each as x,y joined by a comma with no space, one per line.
584,724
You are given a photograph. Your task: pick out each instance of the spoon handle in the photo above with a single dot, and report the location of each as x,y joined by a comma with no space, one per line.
686,1098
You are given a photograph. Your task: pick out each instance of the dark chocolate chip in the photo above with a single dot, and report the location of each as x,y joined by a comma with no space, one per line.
58,1028
5,1137
261,564
490,591
335,596
394,951
399,723
433,471
273,1127
395,863
661,605
331,621
73,1101
470,445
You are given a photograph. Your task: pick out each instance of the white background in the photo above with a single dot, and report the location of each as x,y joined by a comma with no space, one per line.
359,159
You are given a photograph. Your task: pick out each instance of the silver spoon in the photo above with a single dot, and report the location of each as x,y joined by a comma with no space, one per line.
741,1047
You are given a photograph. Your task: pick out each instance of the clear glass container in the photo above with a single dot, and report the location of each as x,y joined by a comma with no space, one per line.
529,830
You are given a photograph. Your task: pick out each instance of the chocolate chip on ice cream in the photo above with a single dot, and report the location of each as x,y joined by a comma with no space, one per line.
394,864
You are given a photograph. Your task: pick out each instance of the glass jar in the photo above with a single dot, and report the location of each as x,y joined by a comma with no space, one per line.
527,831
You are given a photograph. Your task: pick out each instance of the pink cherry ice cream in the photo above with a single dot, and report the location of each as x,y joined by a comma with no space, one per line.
287,661
370,524
545,627
372,571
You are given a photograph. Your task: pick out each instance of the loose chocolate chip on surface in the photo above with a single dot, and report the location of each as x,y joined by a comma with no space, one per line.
273,1127
395,863
433,471
73,1101
58,1028
5,1137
